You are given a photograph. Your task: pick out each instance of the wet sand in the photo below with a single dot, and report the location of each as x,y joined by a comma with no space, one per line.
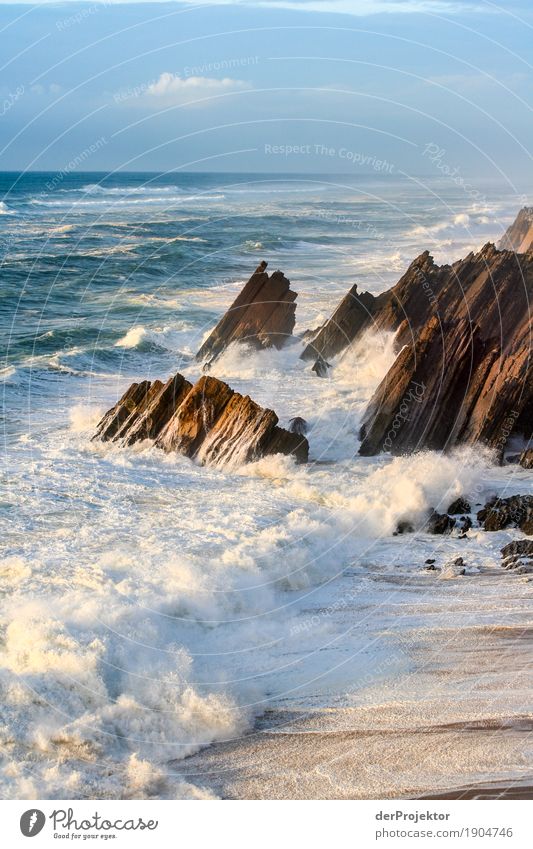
456,724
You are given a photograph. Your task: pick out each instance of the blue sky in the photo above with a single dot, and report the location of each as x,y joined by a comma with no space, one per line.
294,85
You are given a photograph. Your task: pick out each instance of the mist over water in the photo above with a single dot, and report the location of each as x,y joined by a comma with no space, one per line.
150,606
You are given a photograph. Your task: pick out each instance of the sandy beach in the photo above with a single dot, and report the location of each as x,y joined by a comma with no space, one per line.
441,730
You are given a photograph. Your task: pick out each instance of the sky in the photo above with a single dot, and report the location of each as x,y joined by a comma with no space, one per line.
302,86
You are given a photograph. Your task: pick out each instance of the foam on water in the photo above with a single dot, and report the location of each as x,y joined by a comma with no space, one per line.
150,606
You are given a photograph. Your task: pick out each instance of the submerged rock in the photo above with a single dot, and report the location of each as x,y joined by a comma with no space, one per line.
208,422
262,315
453,569
519,236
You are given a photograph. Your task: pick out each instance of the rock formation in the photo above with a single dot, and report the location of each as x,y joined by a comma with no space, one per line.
519,236
351,316
518,555
465,371
208,422
515,511
262,315
526,458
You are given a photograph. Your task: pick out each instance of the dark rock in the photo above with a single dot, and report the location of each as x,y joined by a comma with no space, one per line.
454,568
403,527
526,459
431,567
459,506
466,523
439,523
464,374
430,560
518,556
262,315
520,547
519,236
515,511
298,425
208,421
321,367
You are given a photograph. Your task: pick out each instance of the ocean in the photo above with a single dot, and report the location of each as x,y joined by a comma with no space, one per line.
151,608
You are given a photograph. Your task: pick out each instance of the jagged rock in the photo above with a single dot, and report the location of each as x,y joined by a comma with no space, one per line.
162,402
351,316
526,459
113,421
208,422
440,523
519,236
465,373
262,315
459,506
298,425
515,511
518,556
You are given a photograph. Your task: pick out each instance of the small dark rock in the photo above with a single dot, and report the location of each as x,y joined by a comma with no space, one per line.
430,560
321,367
403,527
459,506
298,425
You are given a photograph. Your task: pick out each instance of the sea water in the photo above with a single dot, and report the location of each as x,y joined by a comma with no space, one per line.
149,606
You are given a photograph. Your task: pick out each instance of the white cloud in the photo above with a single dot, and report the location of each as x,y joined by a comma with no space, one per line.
172,89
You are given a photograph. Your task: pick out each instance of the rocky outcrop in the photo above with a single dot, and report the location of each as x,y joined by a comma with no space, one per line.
464,373
208,422
519,236
262,315
515,511
518,556
459,507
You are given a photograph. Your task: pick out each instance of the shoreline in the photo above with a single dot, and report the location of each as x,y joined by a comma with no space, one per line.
401,738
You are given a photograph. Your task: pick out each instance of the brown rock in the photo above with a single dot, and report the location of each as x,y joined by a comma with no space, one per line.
519,236
526,459
352,315
515,511
208,421
114,419
161,405
464,374
262,315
